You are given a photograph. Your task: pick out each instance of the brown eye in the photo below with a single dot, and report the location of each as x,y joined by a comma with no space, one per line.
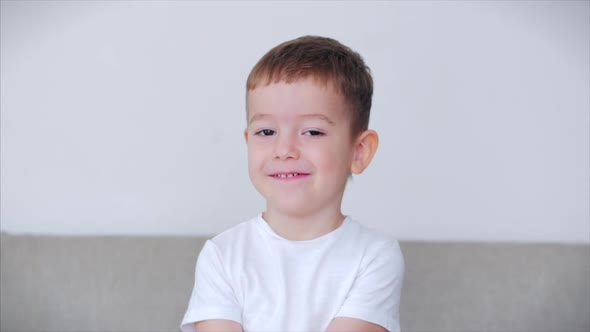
265,132
313,133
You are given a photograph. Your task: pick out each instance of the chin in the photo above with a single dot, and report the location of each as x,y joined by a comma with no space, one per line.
293,209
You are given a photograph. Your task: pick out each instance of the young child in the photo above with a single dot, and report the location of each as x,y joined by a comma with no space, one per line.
302,265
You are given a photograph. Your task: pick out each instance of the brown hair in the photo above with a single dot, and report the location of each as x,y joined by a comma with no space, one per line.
325,59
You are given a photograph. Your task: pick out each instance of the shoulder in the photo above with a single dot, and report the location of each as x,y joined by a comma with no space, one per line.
370,238
239,231
235,241
375,245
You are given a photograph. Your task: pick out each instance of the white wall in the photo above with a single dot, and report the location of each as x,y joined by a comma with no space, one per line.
127,117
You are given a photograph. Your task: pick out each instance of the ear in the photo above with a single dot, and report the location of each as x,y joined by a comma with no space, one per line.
365,147
246,135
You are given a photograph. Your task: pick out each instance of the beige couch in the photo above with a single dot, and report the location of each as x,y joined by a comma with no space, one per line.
51,283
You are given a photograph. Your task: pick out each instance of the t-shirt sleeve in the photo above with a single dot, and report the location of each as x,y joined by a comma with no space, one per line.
375,294
213,296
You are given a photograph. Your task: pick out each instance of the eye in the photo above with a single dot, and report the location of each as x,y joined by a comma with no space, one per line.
314,133
265,132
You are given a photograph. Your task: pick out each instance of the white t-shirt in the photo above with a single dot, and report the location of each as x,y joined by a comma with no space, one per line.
252,275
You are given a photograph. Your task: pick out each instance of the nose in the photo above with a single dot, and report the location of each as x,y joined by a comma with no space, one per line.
285,148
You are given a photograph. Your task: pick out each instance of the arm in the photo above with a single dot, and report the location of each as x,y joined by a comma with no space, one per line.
372,304
346,324
218,325
213,300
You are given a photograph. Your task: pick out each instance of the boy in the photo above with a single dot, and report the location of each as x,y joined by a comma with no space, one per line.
301,265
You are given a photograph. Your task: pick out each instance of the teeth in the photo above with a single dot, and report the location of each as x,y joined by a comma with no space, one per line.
290,175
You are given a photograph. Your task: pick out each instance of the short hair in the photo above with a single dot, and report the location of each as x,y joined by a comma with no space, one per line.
325,59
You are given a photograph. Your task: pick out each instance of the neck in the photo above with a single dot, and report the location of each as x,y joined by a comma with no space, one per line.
297,227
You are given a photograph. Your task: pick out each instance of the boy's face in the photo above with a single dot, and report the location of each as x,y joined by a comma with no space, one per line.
300,148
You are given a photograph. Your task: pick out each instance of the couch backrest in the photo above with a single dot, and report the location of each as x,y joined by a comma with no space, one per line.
52,283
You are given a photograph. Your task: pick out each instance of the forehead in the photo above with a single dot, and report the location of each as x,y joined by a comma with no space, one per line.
304,96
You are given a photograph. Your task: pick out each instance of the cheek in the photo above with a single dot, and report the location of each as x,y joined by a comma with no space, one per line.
333,159
343,162
255,157
253,167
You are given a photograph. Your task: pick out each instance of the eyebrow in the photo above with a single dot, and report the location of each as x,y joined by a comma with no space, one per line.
322,117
